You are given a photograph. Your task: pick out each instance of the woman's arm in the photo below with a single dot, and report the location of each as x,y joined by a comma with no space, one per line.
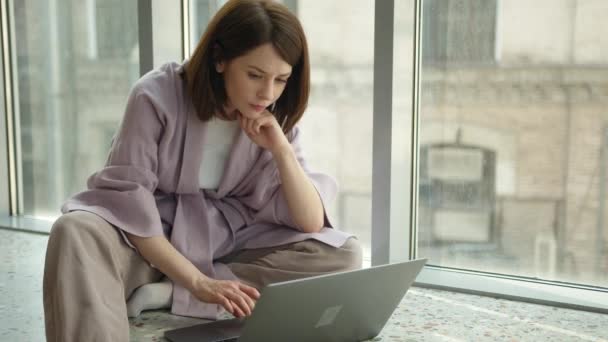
303,200
235,297
158,251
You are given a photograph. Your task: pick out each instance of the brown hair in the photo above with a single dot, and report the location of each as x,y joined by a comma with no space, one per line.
238,27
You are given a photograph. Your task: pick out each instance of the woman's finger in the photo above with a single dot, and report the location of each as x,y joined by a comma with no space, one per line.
250,302
242,122
238,312
225,302
265,120
243,302
251,291
251,126
246,124
246,291
238,298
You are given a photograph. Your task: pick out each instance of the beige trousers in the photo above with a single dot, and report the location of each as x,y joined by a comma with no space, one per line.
90,272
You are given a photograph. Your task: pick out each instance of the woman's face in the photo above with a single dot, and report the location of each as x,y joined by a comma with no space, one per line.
254,81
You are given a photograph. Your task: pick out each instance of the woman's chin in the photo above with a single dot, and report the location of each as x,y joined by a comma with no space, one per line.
250,114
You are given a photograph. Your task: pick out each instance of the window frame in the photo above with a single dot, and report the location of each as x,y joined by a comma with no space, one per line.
12,204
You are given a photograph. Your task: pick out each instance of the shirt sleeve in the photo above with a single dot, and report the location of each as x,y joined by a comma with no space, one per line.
274,208
122,192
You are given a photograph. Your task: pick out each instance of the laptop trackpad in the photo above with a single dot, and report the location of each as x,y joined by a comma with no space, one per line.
212,331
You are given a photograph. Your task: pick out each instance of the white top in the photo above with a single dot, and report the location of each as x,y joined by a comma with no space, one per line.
219,138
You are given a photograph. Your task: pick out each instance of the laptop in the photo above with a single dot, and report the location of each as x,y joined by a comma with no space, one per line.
345,306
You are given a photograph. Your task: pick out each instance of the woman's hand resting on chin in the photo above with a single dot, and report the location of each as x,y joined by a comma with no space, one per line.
265,131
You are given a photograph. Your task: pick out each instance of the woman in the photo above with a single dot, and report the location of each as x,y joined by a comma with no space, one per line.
205,184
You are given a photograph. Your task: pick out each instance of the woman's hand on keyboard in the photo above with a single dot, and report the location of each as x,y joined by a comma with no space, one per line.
237,298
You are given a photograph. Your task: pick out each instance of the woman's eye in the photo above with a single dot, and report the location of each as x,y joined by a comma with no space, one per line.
281,81
254,76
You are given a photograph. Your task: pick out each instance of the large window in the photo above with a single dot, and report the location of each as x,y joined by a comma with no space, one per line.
337,126
513,153
497,119
76,62
73,76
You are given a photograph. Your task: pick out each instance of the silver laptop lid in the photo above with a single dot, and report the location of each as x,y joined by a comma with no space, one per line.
347,306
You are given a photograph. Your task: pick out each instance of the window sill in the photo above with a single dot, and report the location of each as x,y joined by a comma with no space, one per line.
26,224
567,296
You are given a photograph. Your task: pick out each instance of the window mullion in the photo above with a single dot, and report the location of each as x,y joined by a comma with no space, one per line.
146,46
382,135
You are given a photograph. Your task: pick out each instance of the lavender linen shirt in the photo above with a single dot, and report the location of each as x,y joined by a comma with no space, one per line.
149,187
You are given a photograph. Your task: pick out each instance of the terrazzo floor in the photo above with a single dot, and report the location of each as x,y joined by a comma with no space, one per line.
423,315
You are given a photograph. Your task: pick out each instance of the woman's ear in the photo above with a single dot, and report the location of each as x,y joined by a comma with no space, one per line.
219,67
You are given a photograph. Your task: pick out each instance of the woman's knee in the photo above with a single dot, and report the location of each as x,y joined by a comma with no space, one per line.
351,254
73,237
74,229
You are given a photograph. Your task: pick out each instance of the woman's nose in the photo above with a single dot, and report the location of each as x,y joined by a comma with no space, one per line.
266,92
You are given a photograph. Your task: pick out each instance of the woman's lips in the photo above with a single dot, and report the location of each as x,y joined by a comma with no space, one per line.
258,108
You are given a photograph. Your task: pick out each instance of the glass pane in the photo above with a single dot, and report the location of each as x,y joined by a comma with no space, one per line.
76,61
514,138
201,12
402,129
166,32
340,106
337,126
4,181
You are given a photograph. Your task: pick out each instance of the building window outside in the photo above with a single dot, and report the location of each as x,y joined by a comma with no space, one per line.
541,113
459,31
